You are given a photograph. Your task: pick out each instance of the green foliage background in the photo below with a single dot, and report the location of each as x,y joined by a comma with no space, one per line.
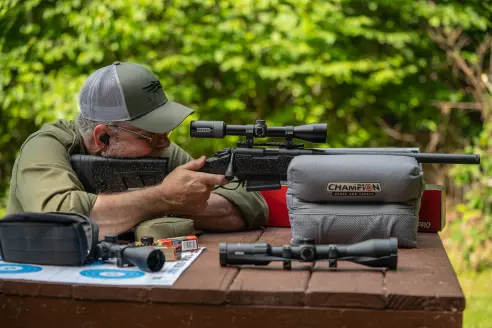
369,69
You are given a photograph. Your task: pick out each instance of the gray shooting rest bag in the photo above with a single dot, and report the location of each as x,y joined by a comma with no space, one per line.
343,199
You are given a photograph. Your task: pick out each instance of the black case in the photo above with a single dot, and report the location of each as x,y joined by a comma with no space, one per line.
48,238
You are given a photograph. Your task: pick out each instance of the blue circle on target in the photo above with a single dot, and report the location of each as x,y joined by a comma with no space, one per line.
111,274
18,268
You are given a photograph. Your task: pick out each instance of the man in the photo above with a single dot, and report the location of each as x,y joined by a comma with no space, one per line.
124,112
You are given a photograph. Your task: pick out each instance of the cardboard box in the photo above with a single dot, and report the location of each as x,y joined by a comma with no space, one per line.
172,253
187,243
432,215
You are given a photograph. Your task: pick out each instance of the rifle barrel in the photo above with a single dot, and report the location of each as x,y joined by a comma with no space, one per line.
420,157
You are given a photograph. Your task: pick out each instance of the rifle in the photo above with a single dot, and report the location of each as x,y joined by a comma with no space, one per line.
265,168
258,168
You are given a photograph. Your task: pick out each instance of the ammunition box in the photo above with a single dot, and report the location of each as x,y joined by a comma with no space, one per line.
172,253
187,243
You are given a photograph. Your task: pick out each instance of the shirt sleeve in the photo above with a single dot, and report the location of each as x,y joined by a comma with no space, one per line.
45,180
251,205
177,156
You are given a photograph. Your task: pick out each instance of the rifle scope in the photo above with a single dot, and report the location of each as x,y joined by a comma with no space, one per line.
372,253
315,133
144,257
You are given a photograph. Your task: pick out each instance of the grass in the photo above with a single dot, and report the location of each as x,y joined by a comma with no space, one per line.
477,288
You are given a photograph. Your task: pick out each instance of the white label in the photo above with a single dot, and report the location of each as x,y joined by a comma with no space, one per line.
187,245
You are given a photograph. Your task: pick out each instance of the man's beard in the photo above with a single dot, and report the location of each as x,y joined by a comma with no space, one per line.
117,150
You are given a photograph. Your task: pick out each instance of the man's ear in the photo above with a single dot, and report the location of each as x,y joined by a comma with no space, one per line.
101,135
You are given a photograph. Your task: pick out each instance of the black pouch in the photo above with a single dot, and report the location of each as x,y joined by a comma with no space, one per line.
48,238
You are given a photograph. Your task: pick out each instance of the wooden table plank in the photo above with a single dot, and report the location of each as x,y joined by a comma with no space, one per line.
35,288
21,312
350,285
271,285
205,281
425,278
110,293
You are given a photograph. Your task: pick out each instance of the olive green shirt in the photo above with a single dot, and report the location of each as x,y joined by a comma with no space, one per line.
43,179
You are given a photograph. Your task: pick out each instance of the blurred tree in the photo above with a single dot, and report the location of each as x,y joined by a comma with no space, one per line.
471,232
368,68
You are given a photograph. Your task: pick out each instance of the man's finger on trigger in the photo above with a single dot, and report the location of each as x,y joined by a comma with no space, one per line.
219,180
214,179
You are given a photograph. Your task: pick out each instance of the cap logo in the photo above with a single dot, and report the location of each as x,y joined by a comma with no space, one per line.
154,86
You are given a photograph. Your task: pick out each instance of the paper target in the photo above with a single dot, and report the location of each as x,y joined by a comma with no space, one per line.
18,268
98,272
111,274
94,263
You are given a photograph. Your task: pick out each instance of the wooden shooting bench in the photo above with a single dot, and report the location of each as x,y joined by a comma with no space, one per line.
423,292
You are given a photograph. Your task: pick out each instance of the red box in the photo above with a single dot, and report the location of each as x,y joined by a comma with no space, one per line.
432,215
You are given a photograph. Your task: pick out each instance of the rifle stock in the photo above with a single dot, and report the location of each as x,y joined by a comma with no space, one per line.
109,175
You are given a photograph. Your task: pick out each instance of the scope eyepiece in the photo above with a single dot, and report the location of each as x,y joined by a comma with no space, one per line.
315,133
207,129
144,257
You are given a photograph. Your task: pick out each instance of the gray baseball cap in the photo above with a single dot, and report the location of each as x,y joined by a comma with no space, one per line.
130,92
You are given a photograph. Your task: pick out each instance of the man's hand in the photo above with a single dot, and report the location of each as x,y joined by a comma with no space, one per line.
187,191
182,192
